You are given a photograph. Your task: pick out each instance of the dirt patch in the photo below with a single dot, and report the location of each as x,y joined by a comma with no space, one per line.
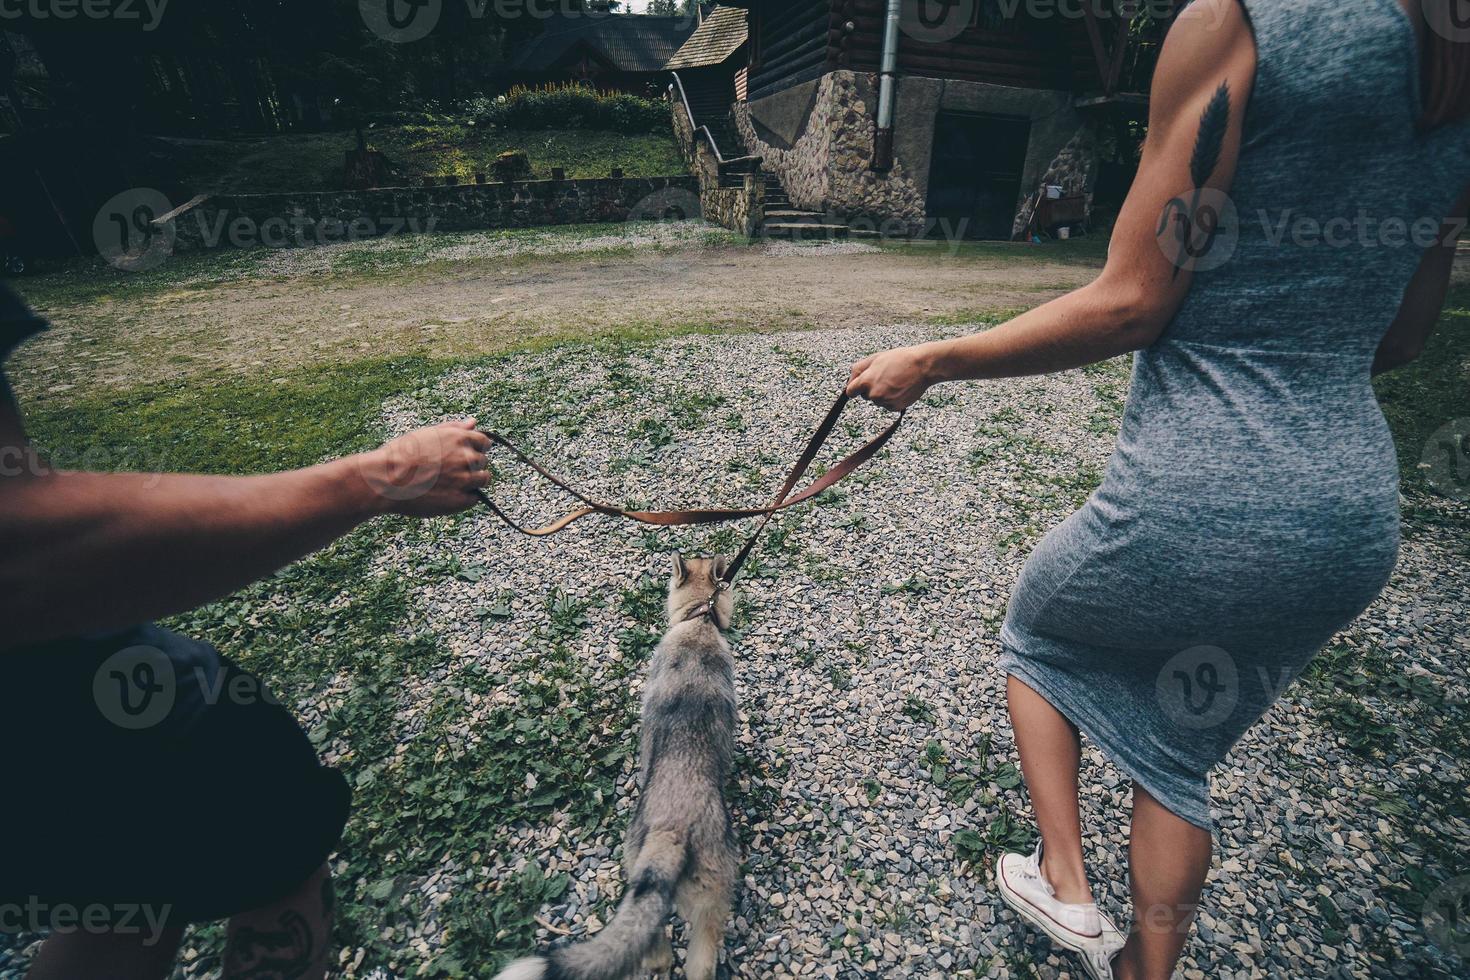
263,321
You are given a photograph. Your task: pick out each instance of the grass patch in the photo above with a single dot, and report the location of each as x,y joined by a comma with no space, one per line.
1090,252
1421,397
77,284
314,161
485,752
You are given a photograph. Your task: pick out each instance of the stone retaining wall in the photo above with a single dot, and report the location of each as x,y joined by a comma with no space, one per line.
818,138
741,209
315,218
826,168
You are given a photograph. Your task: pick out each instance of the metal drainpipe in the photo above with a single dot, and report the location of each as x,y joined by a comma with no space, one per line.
887,79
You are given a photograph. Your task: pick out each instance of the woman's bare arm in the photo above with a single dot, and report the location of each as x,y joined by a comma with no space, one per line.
91,551
1208,61
1424,298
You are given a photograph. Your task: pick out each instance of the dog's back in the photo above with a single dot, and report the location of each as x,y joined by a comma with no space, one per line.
680,849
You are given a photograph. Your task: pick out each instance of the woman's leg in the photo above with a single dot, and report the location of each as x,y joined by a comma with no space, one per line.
1051,754
1168,860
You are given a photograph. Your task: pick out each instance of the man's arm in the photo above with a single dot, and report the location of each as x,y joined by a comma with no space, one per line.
91,551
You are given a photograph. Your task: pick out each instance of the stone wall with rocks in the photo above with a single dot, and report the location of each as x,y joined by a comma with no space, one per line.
1072,169
827,169
741,209
818,138
316,218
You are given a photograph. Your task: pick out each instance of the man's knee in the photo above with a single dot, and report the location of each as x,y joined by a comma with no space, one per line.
288,938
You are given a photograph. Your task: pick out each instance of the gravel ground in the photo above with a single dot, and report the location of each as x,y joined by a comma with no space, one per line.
463,246
875,783
867,652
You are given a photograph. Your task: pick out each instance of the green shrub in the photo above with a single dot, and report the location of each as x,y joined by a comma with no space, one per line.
569,106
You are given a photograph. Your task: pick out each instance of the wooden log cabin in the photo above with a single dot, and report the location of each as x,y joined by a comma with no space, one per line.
985,103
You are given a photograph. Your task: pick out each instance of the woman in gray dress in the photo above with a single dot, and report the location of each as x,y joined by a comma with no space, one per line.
1290,233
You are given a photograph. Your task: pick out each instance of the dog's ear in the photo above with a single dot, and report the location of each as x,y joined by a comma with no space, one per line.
718,568
681,571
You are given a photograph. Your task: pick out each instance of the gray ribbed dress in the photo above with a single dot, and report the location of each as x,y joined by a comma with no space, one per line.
1250,509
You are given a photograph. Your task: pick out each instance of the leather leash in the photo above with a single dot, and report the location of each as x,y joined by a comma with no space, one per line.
677,518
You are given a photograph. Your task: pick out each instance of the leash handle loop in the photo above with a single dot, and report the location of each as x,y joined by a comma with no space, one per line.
680,518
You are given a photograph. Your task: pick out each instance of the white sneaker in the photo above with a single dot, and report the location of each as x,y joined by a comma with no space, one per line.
1098,961
1078,927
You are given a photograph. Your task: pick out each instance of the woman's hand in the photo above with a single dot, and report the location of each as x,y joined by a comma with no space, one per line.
894,379
430,472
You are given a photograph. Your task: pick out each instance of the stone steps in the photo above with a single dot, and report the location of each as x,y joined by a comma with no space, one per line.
791,216
803,230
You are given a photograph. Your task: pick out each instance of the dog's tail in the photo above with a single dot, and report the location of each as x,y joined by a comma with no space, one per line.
619,949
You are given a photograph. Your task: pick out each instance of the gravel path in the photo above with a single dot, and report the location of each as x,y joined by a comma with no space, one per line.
876,783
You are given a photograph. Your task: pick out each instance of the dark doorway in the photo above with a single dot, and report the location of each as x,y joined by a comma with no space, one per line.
975,174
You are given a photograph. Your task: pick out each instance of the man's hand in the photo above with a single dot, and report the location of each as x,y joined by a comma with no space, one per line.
894,379
430,472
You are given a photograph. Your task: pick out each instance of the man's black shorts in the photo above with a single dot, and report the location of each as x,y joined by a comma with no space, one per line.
147,772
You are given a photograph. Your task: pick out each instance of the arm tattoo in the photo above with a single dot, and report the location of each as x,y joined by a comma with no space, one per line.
271,954
1209,145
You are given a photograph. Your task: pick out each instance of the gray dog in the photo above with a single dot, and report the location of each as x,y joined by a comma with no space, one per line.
680,849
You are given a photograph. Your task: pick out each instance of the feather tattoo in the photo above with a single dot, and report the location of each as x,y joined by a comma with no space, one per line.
1211,139
1209,144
